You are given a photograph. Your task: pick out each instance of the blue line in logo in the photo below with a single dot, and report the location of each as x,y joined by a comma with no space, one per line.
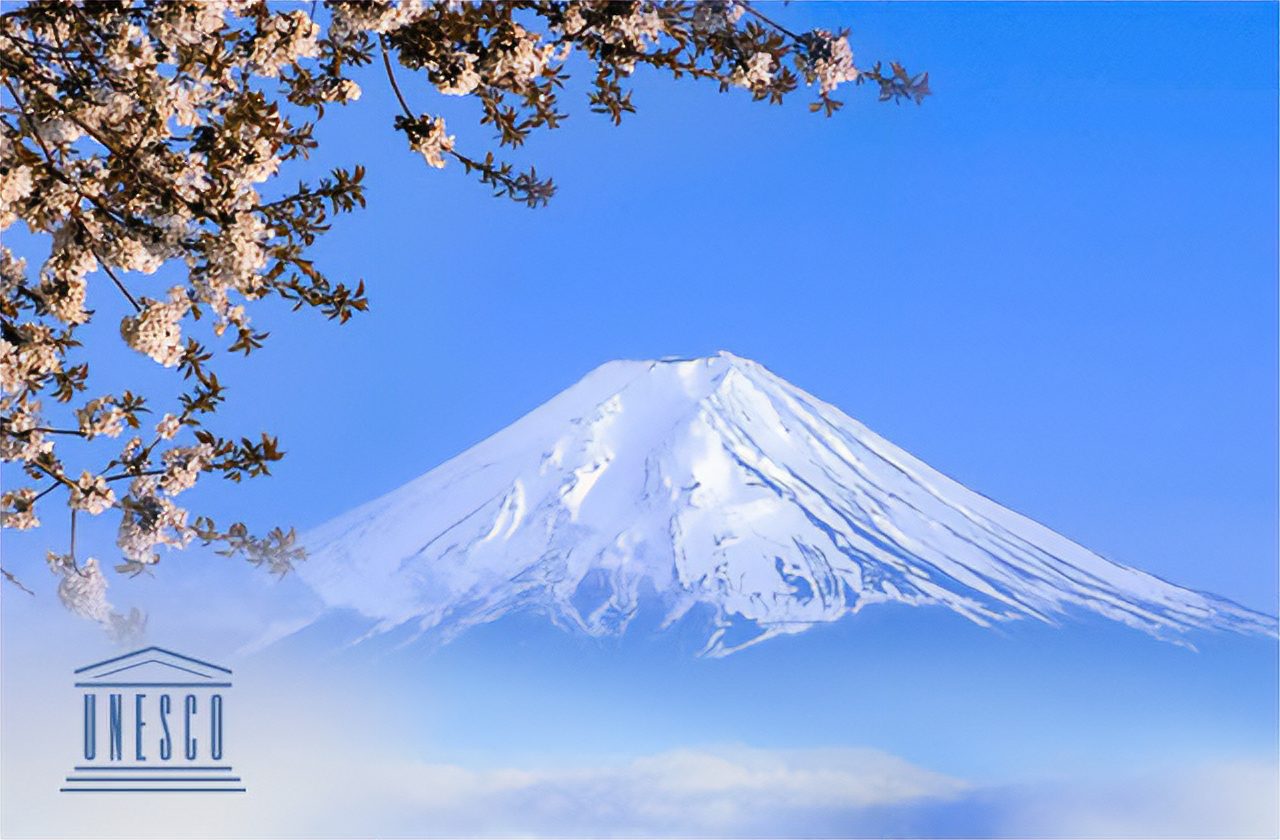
157,662
152,790
148,769
157,650
153,685
133,779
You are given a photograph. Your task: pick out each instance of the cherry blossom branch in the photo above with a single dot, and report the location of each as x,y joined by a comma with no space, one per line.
61,479
137,306
160,188
46,491
751,10
524,187
53,167
391,76
123,476
142,132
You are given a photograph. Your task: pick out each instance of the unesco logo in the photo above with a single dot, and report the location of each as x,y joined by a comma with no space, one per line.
152,721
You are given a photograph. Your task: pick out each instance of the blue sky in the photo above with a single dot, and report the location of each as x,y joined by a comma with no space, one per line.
1055,281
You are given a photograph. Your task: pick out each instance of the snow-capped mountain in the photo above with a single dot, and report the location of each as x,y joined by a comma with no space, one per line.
711,483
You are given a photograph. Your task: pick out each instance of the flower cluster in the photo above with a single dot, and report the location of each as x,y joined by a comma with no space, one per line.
831,60
19,509
168,427
155,331
755,72
182,466
630,29
427,137
284,40
91,494
150,519
456,74
83,591
353,18
716,15
516,57
22,439
101,417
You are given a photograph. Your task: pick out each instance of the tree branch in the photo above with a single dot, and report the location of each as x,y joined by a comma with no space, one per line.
114,278
8,575
747,7
391,75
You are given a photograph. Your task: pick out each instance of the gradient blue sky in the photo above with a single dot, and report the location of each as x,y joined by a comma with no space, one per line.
1055,281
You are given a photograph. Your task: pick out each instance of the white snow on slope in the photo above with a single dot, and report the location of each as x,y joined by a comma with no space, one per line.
714,483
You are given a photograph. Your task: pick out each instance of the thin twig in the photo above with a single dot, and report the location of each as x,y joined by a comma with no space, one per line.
61,479
751,9
72,555
46,491
391,75
48,431
9,577
115,279
122,476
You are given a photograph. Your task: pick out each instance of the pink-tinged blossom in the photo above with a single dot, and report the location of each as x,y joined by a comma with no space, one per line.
168,427
155,331
92,494
432,142
17,509
831,60
756,72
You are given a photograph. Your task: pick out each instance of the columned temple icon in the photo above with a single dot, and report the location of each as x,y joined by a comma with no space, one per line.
152,722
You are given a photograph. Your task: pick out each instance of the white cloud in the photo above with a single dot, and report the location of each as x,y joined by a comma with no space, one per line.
1222,799
721,791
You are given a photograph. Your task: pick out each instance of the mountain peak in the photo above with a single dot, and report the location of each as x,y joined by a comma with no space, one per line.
713,483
